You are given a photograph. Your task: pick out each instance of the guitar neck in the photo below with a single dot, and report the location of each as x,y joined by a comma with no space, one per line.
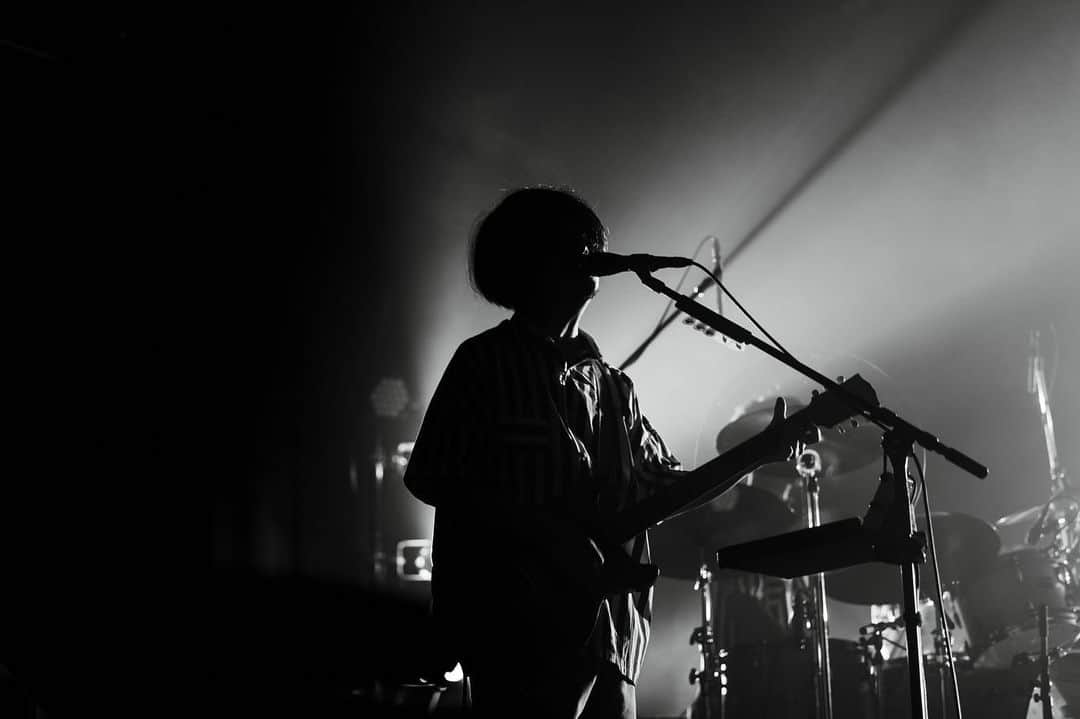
724,472
716,476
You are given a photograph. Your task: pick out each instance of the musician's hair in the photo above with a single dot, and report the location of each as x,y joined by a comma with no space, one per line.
528,223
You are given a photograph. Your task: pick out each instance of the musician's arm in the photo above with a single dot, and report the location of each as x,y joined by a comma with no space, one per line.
450,435
704,484
714,473
729,469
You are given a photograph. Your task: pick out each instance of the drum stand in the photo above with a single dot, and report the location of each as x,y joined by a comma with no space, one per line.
709,676
1064,536
809,468
1044,663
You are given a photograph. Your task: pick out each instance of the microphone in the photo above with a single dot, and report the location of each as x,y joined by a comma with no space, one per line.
602,264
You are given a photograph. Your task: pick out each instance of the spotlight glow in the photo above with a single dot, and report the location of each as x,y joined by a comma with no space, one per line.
455,675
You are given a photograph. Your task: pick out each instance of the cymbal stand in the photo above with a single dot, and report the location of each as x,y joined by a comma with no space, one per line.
808,466
872,641
709,676
1065,537
1044,663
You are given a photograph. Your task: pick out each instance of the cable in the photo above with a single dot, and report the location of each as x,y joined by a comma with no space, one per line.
943,622
742,309
682,279
758,325
916,491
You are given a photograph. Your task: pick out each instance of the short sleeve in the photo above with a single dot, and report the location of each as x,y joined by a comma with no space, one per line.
655,466
449,435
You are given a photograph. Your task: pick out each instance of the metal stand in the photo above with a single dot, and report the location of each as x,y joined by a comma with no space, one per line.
1044,663
709,674
945,667
378,552
898,533
1064,534
809,469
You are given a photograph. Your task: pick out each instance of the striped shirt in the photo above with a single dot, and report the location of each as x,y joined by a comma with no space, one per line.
520,420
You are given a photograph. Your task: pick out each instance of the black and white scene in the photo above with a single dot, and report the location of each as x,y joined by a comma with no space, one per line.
612,360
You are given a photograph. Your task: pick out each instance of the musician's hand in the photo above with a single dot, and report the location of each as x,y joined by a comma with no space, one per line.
789,443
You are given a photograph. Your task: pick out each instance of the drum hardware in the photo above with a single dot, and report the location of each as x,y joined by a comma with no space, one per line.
872,640
937,634
987,693
840,449
838,545
1044,696
774,680
1063,528
966,547
872,643
710,675
890,631
1051,526
999,608
809,467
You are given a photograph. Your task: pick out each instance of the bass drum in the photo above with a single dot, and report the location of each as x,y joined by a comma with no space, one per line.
999,609
895,645
984,693
775,681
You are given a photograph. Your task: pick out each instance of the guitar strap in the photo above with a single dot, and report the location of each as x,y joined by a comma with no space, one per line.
616,461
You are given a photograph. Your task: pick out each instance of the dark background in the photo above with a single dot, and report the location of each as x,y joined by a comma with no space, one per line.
274,204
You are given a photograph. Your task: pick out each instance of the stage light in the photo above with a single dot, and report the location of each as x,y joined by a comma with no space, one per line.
390,397
455,675
401,456
413,560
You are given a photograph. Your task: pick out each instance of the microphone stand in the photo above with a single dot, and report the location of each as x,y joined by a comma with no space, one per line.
636,354
896,530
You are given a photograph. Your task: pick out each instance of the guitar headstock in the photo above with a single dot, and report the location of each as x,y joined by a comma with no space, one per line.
830,408
712,334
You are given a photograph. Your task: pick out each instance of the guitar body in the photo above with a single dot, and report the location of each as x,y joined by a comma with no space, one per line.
533,564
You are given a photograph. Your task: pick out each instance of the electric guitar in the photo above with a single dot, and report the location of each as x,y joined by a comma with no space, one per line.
575,564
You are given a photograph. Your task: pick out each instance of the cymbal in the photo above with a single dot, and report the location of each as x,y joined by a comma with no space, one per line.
842,449
1014,528
1028,517
966,545
681,545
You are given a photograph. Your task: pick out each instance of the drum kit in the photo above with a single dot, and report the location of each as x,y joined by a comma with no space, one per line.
764,642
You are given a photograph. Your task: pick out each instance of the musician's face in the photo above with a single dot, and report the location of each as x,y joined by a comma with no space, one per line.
559,281
575,286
